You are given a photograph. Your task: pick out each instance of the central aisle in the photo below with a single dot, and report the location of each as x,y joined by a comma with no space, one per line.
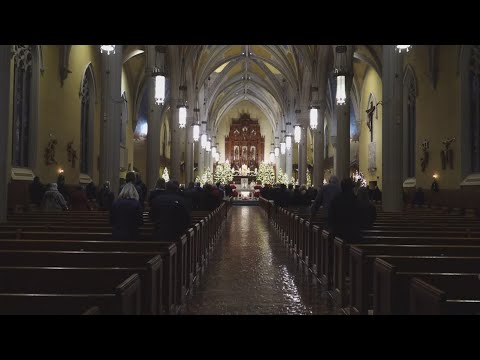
252,273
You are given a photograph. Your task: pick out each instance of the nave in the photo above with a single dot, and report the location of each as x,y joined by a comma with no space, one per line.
252,273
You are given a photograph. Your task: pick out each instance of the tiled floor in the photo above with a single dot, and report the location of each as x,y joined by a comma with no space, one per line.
251,272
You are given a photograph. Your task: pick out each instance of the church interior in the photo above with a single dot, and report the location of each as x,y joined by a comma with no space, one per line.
240,179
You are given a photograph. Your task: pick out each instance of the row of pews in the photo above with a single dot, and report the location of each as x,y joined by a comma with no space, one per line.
415,262
66,263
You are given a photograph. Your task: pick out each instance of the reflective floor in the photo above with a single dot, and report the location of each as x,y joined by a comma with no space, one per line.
251,272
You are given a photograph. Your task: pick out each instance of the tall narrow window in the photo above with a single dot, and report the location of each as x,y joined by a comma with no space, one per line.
87,94
474,83
23,104
409,123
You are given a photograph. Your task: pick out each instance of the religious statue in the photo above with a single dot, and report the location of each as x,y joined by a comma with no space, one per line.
50,152
424,159
244,153
253,153
370,112
236,155
446,154
71,153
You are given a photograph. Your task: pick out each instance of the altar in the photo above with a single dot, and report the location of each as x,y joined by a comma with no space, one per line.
238,179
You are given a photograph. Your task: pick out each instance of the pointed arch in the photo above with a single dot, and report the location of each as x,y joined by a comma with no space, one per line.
410,94
27,67
87,95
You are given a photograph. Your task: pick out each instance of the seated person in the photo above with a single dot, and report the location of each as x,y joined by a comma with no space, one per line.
126,215
53,200
170,215
105,197
78,199
37,190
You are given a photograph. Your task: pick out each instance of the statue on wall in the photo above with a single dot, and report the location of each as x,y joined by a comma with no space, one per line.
424,159
370,112
50,151
71,153
446,154
253,153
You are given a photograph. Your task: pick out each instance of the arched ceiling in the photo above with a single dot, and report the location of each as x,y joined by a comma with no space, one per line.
257,73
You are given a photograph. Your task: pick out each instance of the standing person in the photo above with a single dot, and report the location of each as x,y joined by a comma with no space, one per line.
325,196
37,190
91,191
158,191
367,212
344,217
79,201
170,214
53,200
105,197
126,215
62,188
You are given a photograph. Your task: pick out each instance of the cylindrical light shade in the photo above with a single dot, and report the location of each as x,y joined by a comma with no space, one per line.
214,150
159,89
208,147
401,48
277,151
182,117
313,118
217,156
283,147
272,157
107,48
288,140
196,132
298,133
203,141
341,95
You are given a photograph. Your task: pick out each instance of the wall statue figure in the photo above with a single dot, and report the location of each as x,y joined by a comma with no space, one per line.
71,154
424,159
50,152
446,154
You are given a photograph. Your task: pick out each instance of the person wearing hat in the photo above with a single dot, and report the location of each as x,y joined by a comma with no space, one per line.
53,200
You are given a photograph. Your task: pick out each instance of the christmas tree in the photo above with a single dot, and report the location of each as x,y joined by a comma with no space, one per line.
165,175
282,178
223,174
266,174
207,177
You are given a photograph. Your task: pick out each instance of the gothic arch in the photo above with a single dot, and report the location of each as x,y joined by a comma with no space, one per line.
88,97
410,94
27,65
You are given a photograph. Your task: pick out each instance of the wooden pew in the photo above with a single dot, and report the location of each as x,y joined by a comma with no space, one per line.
362,257
94,310
445,294
39,290
147,265
392,275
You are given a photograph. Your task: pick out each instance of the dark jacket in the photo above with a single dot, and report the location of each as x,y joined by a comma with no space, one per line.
126,217
170,215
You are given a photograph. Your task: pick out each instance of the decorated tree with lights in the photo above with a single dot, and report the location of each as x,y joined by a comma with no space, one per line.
266,174
359,176
282,178
207,177
223,174
293,181
165,175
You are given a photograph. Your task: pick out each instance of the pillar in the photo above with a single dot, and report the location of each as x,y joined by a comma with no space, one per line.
392,160
112,101
319,149
342,158
5,56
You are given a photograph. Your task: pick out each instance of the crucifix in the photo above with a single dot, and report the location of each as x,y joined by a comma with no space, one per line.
370,112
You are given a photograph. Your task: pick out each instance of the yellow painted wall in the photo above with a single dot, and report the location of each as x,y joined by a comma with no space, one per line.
129,91
60,110
438,113
255,113
372,84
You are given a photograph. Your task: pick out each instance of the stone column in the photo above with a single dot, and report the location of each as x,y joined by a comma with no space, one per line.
201,152
392,160
302,155
112,101
343,134
289,162
5,58
189,156
153,137
319,149
175,133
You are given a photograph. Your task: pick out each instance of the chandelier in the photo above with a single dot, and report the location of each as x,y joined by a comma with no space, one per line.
159,89
196,132
401,48
341,95
277,151
182,116
272,157
107,48
288,140
282,147
298,134
313,118
208,146
214,151
203,141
